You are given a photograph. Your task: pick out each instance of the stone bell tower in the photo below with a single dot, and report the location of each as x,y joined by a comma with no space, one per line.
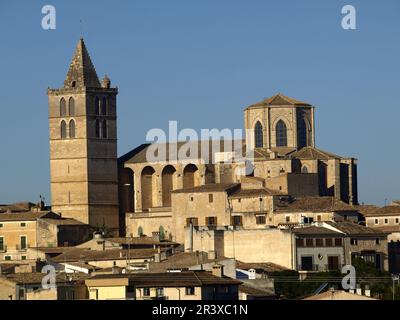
83,145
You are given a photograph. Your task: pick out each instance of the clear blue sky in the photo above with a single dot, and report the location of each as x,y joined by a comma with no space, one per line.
200,62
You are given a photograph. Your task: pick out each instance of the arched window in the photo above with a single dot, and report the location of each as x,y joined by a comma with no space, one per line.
104,106
281,134
97,106
71,106
258,135
301,133
72,129
304,169
63,107
104,129
63,129
98,124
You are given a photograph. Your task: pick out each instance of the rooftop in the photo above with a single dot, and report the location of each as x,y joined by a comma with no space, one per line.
314,154
313,204
260,266
351,228
279,100
28,216
170,279
314,230
217,187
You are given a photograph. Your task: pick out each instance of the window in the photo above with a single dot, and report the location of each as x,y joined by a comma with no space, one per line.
376,221
98,129
319,242
189,291
97,106
7,258
287,219
23,257
237,220
210,198
309,242
23,224
73,84
1,225
193,221
304,169
104,106
72,129
63,108
23,242
397,220
258,135
328,242
386,221
160,292
281,134
301,133
211,221
319,218
377,241
260,219
353,241
63,130
71,107
300,242
146,292
104,129
338,242
191,198
2,246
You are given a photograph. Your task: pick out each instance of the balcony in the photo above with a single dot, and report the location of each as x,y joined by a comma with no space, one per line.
319,268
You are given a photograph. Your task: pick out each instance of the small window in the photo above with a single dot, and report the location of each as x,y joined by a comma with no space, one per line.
377,241
192,220
63,129
72,129
189,291
2,246
191,198
211,221
287,219
7,258
160,292
338,242
146,292
23,224
63,107
239,200
71,107
319,218
23,242
319,242
260,219
397,220
237,220
328,242
210,198
299,242
376,221
386,221
23,257
98,128
97,106
73,84
104,106
104,129
353,241
309,242
1,225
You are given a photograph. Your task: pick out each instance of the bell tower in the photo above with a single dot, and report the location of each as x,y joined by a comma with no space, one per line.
83,145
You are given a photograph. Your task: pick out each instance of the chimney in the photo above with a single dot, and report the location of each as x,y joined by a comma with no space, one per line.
359,290
157,255
218,270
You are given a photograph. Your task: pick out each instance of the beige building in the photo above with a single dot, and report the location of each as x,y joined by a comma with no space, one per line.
22,230
83,145
186,285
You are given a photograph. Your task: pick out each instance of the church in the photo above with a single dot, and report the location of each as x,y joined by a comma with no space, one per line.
131,195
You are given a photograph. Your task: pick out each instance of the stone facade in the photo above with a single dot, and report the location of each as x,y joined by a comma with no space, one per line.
83,145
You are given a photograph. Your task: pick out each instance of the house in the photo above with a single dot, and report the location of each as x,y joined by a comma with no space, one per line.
28,286
185,285
22,230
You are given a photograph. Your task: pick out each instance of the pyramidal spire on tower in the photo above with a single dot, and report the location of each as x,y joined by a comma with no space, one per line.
81,72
